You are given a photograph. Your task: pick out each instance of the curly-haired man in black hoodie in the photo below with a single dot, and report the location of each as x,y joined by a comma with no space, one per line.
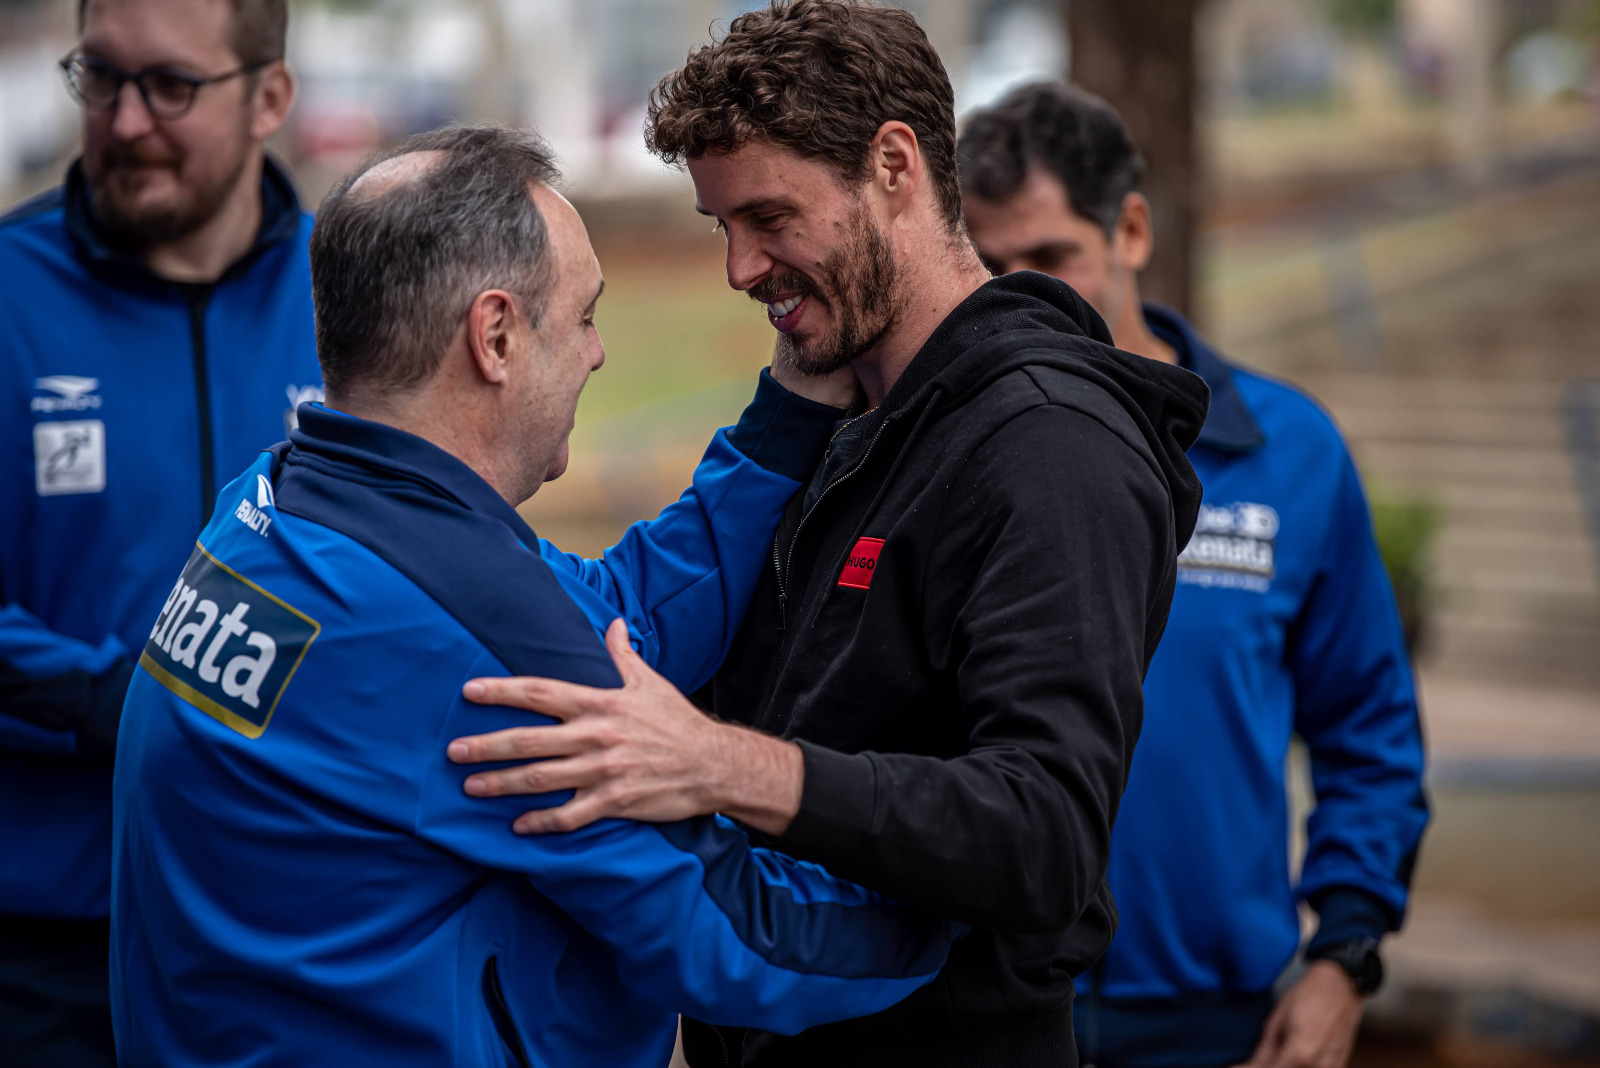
943,664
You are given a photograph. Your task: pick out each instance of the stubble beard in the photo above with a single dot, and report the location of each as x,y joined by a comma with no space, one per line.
862,283
114,187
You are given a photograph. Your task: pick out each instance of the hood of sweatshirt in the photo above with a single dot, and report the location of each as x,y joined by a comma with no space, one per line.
1028,319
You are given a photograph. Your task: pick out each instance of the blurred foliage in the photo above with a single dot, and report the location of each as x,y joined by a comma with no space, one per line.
1363,18
1406,527
672,328
1585,19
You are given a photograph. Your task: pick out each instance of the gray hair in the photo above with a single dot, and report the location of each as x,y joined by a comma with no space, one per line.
395,264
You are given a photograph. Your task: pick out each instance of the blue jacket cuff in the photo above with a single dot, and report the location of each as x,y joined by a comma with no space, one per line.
1345,915
782,431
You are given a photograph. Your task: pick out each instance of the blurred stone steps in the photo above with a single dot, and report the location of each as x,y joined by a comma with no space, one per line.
1469,469
1514,561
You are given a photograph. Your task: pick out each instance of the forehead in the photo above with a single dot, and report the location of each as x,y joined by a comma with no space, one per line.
577,267
724,182
144,32
1038,208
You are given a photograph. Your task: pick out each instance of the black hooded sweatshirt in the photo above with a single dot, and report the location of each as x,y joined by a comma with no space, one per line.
955,628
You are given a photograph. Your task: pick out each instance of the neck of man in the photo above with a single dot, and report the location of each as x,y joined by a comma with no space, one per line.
457,424
934,279
1132,334
202,256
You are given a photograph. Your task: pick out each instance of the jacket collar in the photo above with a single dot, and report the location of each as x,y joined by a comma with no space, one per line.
280,219
1229,425
394,455
1022,300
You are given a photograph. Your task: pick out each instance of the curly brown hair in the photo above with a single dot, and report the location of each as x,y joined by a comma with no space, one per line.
816,76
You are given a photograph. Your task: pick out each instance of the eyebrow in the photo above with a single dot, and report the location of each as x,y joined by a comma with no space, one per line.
1036,251
596,298
760,205
93,50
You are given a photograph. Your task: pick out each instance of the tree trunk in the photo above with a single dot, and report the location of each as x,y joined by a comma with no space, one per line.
1139,56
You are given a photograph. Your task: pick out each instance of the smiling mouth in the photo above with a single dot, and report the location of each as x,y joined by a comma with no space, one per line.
785,314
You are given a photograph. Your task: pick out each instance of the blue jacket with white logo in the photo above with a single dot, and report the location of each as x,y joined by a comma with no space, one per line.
298,875
125,400
1283,624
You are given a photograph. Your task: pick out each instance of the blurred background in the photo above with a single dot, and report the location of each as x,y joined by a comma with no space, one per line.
1393,203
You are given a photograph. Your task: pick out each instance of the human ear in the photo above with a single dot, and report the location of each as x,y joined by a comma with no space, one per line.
274,94
1134,239
491,321
897,162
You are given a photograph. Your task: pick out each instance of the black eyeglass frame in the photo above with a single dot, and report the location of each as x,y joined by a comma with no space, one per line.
71,65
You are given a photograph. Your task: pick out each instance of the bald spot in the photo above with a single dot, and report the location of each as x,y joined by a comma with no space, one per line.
395,172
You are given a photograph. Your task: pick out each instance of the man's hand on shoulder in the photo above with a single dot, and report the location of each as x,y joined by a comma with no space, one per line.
641,752
1314,1025
838,388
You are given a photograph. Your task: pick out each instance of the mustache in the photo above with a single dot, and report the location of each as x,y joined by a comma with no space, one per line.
770,290
137,154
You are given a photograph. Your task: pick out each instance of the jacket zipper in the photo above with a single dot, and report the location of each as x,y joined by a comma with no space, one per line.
780,566
495,1000
198,297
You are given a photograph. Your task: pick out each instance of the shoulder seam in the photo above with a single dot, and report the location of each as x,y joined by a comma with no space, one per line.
48,201
1051,402
1045,402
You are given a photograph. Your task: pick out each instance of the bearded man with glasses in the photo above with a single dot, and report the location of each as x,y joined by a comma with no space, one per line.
155,331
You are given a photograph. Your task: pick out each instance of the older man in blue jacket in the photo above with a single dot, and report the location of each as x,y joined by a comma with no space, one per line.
1283,623
155,333
299,876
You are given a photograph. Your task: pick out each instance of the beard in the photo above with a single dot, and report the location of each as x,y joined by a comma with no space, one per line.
116,180
859,281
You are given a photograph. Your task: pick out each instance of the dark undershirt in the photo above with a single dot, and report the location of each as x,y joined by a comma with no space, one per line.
843,450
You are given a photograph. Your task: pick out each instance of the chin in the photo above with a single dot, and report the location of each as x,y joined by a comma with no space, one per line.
821,358
558,466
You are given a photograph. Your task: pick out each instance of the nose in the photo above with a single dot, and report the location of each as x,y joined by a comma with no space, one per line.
748,262
132,119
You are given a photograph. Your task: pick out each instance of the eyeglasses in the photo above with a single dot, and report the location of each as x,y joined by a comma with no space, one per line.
169,94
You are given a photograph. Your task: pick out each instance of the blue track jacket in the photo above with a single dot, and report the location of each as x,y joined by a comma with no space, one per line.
125,401
298,877
1283,623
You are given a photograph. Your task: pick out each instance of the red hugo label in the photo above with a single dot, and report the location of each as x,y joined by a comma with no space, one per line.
860,564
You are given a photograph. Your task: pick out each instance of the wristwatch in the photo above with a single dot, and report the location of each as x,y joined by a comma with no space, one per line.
1359,959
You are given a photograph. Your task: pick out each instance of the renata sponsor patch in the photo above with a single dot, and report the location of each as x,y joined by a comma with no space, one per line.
225,645
861,563
1233,546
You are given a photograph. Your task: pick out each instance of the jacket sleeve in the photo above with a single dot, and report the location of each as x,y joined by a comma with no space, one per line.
697,919
1052,564
683,580
1356,708
58,694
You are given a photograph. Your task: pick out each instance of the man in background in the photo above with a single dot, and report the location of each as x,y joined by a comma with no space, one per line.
155,332
1283,623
